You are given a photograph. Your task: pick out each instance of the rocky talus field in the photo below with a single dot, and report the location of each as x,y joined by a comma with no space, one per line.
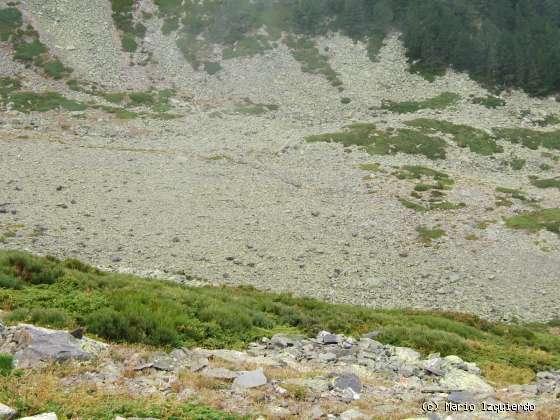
308,169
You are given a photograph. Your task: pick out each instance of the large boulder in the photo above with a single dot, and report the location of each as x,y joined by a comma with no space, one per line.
460,380
35,345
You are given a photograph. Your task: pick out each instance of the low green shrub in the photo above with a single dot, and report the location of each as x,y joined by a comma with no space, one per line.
546,183
548,219
441,101
49,317
490,101
378,142
6,364
532,139
212,68
10,282
30,270
28,51
478,141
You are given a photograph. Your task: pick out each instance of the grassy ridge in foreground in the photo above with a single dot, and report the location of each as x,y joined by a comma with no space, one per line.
125,308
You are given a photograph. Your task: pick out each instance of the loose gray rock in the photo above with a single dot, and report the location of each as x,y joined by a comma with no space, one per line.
459,380
327,357
348,380
251,379
35,345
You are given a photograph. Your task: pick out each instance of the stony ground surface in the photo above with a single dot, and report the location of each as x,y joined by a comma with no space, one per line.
242,199
330,376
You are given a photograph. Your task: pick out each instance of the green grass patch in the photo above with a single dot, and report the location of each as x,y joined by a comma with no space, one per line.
420,172
548,219
550,119
442,101
251,108
427,235
6,364
370,167
125,308
212,67
311,60
376,142
517,164
532,139
28,51
513,193
490,101
546,183
429,73
478,141
247,46
413,206
43,102
10,21
55,69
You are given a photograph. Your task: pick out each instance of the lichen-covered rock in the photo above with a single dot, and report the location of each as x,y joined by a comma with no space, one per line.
460,380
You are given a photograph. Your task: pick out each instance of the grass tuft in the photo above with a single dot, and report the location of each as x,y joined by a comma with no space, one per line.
376,142
442,101
476,140
548,219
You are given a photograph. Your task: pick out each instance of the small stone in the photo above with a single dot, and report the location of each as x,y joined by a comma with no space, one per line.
327,357
7,413
315,213
78,333
326,337
116,259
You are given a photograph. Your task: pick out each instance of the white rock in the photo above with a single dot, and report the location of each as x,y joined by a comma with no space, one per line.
44,416
459,380
251,379
7,413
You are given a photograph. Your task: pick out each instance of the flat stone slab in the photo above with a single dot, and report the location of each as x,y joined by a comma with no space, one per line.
250,379
44,416
35,345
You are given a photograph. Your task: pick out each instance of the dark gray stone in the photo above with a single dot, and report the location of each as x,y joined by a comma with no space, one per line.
348,380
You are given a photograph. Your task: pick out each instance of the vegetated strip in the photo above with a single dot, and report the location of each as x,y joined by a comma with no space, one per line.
126,308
